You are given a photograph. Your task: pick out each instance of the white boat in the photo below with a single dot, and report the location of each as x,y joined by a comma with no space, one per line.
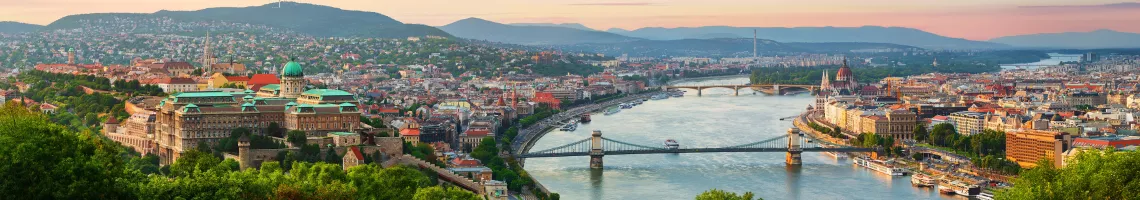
672,144
879,166
837,156
659,96
612,110
922,180
959,188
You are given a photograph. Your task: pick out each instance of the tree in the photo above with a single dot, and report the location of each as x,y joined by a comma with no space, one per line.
42,160
1092,174
920,133
332,158
297,138
715,194
450,193
274,129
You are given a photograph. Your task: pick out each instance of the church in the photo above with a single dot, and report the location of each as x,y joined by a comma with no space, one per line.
843,85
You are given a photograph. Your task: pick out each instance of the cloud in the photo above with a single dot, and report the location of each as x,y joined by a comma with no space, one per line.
1123,5
614,4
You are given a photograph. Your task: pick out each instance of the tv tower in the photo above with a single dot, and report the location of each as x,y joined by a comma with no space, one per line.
755,60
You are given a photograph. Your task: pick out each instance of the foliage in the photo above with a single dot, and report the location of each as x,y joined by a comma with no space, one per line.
451,193
920,133
508,171
232,85
985,149
539,114
229,144
297,138
42,160
828,131
423,151
715,194
1093,174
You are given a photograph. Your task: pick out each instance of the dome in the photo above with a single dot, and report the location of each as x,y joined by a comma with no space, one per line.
844,72
292,69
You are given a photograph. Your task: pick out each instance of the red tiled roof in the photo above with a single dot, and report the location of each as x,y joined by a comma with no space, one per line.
477,132
465,162
260,79
410,132
356,152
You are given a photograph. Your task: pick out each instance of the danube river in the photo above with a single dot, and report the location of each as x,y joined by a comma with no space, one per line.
716,119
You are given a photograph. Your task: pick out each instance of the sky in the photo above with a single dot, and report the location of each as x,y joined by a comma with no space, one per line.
970,19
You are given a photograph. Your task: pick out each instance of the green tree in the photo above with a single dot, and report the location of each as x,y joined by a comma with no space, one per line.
332,158
42,160
920,133
297,138
450,193
715,194
1092,174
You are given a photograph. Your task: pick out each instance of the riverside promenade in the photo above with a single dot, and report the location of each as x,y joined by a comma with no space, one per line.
528,135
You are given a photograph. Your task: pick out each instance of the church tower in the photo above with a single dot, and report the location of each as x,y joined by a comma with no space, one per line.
292,80
71,56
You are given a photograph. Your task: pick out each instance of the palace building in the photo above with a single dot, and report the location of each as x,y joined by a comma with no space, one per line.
185,120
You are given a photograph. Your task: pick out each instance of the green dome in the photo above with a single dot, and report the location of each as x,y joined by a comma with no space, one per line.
292,69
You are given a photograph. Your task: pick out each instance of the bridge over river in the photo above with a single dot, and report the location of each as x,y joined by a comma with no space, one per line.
596,146
772,89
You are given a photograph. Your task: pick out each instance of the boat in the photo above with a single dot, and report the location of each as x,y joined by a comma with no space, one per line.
922,180
659,96
879,166
671,144
985,196
678,94
584,118
626,105
836,155
959,188
612,110
570,126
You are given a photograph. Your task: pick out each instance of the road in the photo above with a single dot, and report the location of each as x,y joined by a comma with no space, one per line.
528,135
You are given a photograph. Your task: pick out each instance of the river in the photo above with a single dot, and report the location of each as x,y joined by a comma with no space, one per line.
716,119
1054,59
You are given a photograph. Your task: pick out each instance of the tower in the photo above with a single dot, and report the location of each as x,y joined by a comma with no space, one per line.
292,80
754,55
207,59
245,159
71,56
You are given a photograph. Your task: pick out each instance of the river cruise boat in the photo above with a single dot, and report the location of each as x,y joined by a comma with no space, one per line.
959,188
922,180
584,118
879,166
672,144
612,110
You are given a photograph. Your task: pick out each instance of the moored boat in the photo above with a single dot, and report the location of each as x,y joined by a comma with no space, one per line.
922,180
584,118
879,166
612,110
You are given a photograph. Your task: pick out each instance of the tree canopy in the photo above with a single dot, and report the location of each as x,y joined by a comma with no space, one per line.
1093,174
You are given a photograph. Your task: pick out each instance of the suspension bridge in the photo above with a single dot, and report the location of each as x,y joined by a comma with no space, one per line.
596,146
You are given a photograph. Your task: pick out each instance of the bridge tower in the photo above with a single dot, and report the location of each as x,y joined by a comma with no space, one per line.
776,89
596,151
736,89
699,90
794,149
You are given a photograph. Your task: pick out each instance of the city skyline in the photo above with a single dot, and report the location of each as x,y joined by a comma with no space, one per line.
971,19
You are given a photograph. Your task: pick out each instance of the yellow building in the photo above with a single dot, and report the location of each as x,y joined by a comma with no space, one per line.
1026,147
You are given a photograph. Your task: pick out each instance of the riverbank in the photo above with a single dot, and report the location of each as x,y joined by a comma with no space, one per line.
528,135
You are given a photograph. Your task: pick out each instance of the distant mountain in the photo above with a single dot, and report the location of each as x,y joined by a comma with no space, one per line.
871,34
720,47
1099,39
564,25
316,20
479,29
17,27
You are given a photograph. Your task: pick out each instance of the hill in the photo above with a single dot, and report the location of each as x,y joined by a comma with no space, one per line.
564,25
720,47
479,29
1098,39
868,34
316,20
10,27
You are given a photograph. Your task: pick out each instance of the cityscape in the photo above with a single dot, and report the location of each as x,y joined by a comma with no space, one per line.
590,100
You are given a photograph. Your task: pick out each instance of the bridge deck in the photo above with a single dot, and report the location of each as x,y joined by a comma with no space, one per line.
692,150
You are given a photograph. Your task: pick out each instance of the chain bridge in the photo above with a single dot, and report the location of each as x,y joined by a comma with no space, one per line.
596,146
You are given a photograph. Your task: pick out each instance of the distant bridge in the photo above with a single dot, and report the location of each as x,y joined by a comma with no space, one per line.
772,89
597,146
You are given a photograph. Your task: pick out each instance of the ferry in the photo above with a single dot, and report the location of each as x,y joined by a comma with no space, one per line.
879,166
612,110
922,180
584,118
959,188
671,144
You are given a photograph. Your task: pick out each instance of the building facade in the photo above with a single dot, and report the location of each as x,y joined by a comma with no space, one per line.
1029,146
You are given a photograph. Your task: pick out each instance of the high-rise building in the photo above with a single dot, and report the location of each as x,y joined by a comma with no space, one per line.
1026,147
